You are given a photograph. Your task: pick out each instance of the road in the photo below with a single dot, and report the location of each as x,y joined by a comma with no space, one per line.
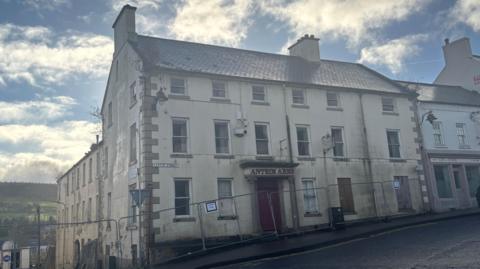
444,244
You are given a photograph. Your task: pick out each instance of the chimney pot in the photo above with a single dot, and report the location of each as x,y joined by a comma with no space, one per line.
447,41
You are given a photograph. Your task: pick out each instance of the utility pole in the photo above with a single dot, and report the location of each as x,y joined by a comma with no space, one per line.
39,232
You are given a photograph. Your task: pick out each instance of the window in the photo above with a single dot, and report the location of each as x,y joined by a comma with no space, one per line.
461,134
78,178
133,143
332,99
109,205
303,141
298,96
89,209
261,138
84,173
116,70
258,94
105,172
222,137
84,215
442,179
393,143
219,89
224,188
90,163
388,104
225,201
473,177
177,86
309,196
133,94
98,164
179,135
346,195
132,209
337,140
182,197
437,133
110,114
97,206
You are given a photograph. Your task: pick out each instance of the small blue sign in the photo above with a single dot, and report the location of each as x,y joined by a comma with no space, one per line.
139,196
6,258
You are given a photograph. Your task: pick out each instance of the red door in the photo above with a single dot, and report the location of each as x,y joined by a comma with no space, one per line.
265,187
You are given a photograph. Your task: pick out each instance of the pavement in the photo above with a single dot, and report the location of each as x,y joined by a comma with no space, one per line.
306,242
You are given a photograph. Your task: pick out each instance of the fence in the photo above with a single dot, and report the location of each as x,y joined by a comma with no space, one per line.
196,227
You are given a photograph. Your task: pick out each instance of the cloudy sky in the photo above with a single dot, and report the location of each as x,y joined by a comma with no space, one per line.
55,55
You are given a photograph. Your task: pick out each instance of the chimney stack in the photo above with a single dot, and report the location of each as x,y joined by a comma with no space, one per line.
306,47
124,27
457,51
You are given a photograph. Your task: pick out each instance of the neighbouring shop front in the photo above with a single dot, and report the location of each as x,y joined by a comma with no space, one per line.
454,181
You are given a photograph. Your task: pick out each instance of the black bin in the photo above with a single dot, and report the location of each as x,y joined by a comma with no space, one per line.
337,221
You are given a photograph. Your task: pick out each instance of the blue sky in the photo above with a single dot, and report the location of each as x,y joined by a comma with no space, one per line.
55,55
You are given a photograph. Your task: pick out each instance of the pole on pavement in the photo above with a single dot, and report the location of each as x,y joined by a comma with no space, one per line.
39,232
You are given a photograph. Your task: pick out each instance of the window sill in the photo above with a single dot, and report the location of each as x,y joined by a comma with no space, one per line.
181,155
306,158
220,100
226,217
464,147
312,214
340,159
184,219
178,96
300,106
260,103
264,157
333,108
390,113
397,160
132,162
223,156
440,146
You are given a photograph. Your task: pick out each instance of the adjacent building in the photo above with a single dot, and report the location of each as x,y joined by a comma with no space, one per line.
230,142
462,67
451,143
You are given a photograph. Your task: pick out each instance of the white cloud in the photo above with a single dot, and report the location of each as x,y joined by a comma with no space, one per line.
59,146
39,56
212,21
355,20
467,12
46,109
393,53
46,4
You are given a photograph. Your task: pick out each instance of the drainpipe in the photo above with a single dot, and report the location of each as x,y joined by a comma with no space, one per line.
293,188
366,152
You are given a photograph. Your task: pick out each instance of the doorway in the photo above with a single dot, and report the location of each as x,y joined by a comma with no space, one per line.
266,188
402,191
460,188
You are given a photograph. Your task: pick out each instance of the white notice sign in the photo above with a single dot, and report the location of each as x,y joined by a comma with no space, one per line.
211,206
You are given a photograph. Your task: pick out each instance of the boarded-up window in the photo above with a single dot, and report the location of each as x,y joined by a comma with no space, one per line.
346,195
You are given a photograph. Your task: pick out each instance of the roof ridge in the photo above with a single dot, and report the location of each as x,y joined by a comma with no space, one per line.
241,49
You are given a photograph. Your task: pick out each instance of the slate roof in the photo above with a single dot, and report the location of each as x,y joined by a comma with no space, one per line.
446,94
196,57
